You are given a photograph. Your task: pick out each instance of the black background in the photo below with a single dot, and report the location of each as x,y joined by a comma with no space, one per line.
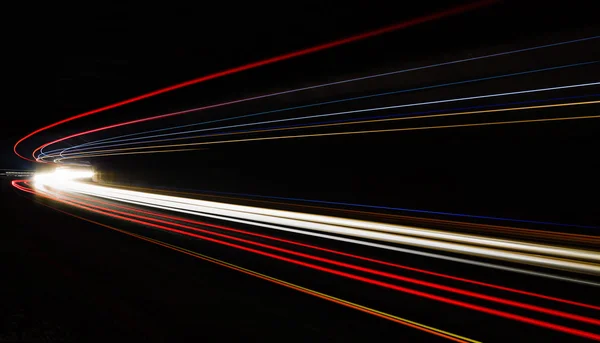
64,60
81,58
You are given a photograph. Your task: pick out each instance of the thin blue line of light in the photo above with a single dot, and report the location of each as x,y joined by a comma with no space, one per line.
81,148
388,208
364,78
374,109
382,117
405,114
338,101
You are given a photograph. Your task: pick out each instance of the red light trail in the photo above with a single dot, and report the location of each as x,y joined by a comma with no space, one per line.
162,224
314,49
156,214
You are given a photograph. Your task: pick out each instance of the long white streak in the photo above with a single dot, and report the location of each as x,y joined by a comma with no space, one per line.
506,255
375,245
313,221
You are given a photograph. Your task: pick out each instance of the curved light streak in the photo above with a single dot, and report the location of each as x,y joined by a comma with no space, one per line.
366,280
371,244
319,86
171,220
195,193
391,28
398,234
351,133
309,126
399,320
372,271
95,143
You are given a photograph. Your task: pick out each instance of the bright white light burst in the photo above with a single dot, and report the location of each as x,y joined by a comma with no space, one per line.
60,177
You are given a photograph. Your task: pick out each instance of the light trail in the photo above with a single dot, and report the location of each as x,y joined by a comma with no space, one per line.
79,152
544,255
377,231
94,143
486,96
90,145
141,152
383,246
426,103
169,220
425,295
212,193
123,215
344,133
392,117
280,58
307,88
393,318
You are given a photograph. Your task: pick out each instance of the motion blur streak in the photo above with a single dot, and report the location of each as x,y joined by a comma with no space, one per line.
360,132
443,101
383,246
379,246
385,232
342,302
202,205
406,24
529,233
336,252
374,207
442,299
355,267
299,90
309,126
95,143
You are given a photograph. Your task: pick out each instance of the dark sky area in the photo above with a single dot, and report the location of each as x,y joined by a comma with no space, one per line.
83,58
93,55
63,276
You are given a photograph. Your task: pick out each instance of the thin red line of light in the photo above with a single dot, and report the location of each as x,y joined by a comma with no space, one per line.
248,272
371,281
498,313
405,24
348,255
362,269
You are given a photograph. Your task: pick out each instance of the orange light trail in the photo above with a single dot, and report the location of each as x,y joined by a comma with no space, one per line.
280,58
369,121
344,133
380,314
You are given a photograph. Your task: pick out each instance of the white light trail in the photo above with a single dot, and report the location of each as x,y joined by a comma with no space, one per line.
60,176
513,251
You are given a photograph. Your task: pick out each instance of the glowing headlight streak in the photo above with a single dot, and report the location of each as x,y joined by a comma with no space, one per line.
172,221
60,177
372,207
361,308
512,230
344,133
375,245
280,58
107,142
312,126
299,90
361,229
425,295
203,205
486,96
326,103
347,265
